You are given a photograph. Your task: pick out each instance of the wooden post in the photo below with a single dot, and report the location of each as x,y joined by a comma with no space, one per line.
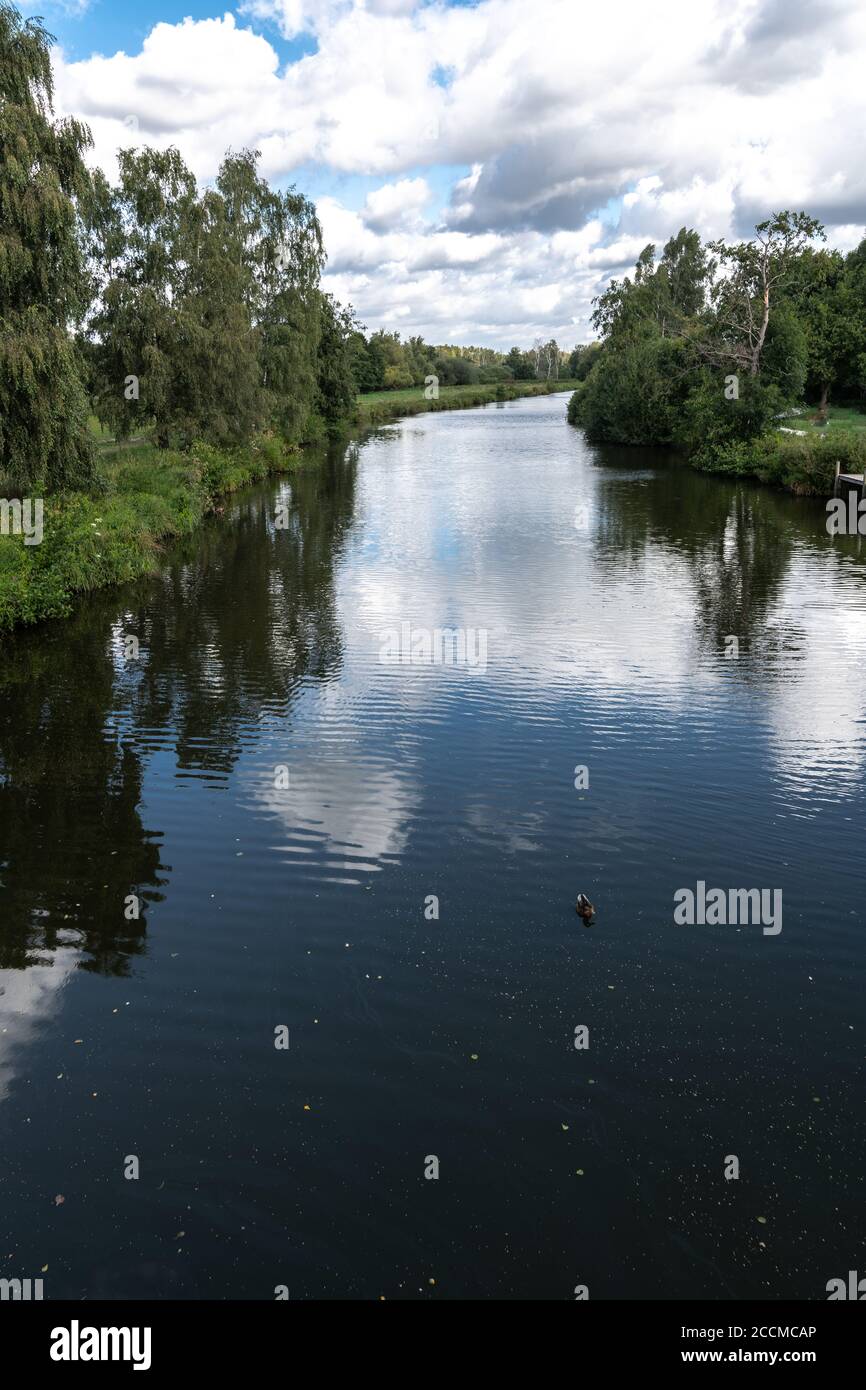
836,480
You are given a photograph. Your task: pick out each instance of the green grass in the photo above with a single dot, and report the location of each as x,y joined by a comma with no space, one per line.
150,497
376,407
843,418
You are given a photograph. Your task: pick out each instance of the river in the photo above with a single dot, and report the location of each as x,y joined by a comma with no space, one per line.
356,961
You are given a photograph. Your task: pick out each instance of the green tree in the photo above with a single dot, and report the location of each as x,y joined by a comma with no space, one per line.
336,383
208,315
289,310
634,393
683,274
760,273
145,234
519,365
833,319
43,285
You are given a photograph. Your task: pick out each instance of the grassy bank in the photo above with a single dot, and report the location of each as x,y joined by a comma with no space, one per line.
801,463
150,498
800,455
377,407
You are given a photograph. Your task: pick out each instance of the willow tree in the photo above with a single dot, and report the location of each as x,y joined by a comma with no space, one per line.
219,373
43,178
139,235
207,318
291,318
277,237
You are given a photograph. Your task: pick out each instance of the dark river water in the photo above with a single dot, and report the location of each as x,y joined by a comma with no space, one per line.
376,862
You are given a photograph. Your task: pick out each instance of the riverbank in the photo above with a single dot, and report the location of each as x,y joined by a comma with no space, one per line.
150,497
803,464
378,407
797,457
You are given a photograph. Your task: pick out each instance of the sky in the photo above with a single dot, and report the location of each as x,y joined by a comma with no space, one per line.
482,168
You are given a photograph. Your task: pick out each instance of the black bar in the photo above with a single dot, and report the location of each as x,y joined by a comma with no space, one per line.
246,1338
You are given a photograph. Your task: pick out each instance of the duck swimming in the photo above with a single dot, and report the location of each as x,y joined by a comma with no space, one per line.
584,908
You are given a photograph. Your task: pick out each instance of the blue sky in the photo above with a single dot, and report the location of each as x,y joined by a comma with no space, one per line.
106,26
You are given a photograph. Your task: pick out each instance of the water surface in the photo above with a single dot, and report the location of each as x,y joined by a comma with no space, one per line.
607,585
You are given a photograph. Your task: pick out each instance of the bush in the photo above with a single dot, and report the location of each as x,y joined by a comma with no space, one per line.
151,496
711,426
633,395
805,464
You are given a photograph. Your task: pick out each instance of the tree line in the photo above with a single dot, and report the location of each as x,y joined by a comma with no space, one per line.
709,343
381,361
